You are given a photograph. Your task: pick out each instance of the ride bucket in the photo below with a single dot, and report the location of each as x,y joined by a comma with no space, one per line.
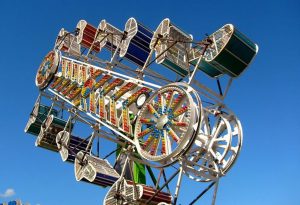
135,47
37,117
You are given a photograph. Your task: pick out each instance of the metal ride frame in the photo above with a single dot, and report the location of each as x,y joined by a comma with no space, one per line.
171,126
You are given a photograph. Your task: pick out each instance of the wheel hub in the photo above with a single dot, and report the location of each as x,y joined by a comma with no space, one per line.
161,122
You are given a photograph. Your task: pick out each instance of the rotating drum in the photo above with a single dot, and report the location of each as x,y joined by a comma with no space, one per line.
230,53
37,117
94,170
67,42
169,52
87,35
69,146
109,36
135,47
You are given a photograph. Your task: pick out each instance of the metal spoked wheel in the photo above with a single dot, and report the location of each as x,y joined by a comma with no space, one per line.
167,123
216,146
210,148
236,140
47,69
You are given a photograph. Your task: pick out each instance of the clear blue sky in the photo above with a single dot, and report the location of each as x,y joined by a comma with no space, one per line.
266,97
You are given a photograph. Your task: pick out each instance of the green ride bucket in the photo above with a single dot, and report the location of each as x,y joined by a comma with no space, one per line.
37,117
230,53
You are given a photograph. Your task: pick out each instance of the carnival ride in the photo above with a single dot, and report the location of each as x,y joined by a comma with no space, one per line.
159,119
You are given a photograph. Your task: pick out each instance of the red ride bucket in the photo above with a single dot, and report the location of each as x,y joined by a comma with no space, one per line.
87,35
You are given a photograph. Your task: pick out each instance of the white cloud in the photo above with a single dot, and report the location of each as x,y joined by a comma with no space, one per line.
8,193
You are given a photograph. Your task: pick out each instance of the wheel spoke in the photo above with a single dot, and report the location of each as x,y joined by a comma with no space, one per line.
180,124
169,100
148,142
154,146
160,104
234,149
221,126
180,111
168,143
163,145
145,132
223,146
223,138
235,131
152,110
176,102
147,121
173,134
206,126
212,152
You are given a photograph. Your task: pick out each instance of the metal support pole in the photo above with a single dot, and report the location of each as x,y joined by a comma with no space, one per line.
63,38
165,178
151,175
178,186
215,192
146,65
67,124
167,182
219,87
82,119
202,193
50,110
147,61
158,178
227,87
90,142
114,57
150,55
92,46
206,44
